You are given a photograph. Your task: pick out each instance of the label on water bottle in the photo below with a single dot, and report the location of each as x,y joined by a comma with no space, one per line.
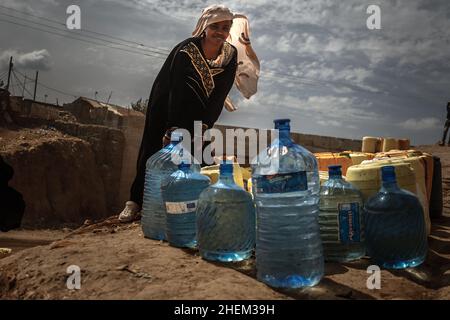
282,183
349,224
181,207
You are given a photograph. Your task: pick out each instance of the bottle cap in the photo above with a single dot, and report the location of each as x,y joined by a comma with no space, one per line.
335,171
176,136
226,167
388,174
281,124
184,166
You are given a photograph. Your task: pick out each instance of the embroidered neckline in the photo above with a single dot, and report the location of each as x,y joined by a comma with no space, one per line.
201,66
223,58
208,68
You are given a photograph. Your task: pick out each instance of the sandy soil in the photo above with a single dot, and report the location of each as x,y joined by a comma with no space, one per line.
117,262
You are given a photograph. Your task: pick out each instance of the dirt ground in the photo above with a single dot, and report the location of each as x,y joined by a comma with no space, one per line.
117,262
57,175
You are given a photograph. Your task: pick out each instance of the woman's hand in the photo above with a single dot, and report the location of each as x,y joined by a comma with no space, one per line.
166,138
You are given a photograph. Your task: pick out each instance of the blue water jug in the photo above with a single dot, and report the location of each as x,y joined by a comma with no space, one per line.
180,193
225,220
395,227
159,166
286,189
341,218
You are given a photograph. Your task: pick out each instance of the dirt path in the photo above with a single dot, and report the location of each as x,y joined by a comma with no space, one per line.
117,262
19,240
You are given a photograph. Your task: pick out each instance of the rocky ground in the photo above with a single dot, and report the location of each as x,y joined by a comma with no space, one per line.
117,262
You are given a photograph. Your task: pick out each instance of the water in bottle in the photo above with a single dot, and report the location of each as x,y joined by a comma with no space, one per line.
225,220
395,227
159,166
180,193
286,189
340,218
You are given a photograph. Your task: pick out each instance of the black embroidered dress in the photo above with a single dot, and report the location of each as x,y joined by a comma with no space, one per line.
188,88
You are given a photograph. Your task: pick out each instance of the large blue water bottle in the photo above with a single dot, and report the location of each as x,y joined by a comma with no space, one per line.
180,193
225,220
341,218
286,189
395,228
159,166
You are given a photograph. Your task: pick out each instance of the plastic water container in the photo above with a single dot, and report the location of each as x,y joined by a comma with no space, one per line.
409,173
326,159
213,173
225,220
371,144
180,193
158,167
395,227
341,219
285,182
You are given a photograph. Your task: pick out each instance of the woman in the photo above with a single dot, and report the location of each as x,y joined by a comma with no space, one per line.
191,86
446,127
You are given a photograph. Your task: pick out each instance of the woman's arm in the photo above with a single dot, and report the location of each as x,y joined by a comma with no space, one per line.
177,87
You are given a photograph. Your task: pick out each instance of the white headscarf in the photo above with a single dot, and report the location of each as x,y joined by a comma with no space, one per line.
247,73
210,15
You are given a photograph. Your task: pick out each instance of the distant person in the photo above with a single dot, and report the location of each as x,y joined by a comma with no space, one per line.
12,205
192,85
4,105
446,127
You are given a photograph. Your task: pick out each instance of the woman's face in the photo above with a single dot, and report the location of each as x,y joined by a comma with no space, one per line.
218,32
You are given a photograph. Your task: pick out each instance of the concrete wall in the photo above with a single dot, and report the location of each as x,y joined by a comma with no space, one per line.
133,128
313,143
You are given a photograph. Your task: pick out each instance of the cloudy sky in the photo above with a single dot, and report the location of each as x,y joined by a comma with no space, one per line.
320,65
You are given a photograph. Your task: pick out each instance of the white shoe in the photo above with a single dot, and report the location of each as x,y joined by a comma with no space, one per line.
130,213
